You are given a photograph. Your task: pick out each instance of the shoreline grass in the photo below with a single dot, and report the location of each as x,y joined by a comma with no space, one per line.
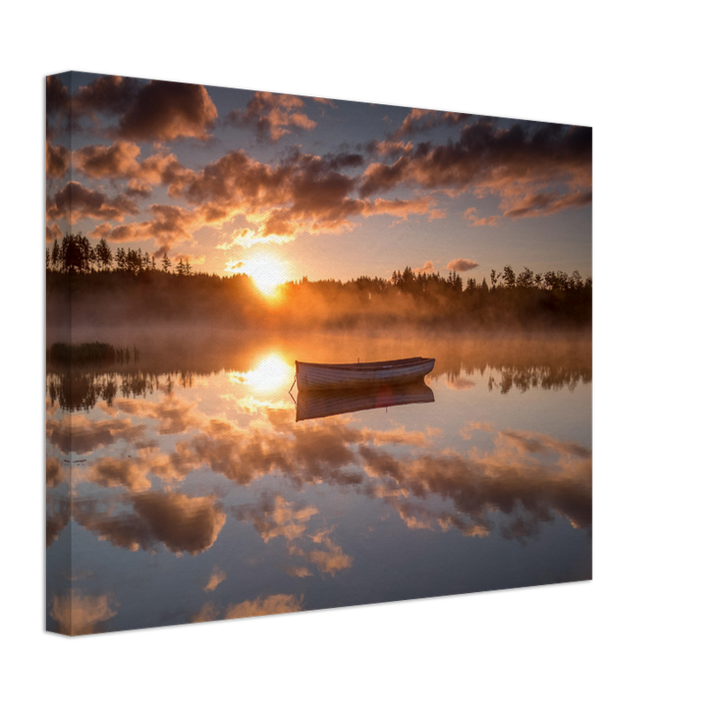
90,353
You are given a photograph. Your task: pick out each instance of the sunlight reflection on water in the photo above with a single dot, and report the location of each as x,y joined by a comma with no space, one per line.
269,375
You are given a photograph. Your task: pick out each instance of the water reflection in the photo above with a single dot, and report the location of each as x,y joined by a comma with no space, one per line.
313,404
201,492
271,373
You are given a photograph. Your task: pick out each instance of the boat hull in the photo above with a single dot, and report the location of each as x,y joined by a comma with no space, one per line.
335,376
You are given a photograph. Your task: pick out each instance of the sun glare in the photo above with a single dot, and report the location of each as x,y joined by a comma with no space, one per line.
270,373
267,272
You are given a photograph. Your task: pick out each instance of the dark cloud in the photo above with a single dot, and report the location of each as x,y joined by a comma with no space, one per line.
517,163
304,192
170,225
74,202
547,203
57,97
106,94
163,110
57,160
272,115
344,160
419,120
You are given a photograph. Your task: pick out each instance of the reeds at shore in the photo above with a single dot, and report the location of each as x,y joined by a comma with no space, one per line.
96,352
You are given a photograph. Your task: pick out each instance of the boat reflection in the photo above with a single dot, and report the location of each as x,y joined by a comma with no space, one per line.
312,404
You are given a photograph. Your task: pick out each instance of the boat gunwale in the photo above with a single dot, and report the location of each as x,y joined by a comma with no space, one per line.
398,364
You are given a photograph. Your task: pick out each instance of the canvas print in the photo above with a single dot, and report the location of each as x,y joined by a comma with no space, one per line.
306,353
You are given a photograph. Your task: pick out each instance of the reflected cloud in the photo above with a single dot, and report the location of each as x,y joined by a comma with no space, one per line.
418,517
276,517
535,443
174,415
329,558
57,516
467,431
459,383
178,522
78,434
262,606
216,578
525,473
53,474
79,614
111,471
509,479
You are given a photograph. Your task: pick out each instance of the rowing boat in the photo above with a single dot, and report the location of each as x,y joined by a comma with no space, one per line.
323,376
312,404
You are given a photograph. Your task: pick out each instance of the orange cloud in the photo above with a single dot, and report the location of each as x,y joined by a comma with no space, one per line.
461,265
113,161
180,523
277,518
265,606
216,578
399,207
170,225
111,471
419,119
79,614
471,216
427,268
53,473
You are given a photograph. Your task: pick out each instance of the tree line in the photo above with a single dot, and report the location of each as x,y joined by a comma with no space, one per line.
75,254
524,299
128,286
419,283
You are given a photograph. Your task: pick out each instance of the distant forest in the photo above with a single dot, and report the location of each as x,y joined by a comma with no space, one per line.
130,287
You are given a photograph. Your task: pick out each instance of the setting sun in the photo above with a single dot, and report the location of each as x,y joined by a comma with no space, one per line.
266,271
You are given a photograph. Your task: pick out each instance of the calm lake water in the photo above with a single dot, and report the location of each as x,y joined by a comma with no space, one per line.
195,494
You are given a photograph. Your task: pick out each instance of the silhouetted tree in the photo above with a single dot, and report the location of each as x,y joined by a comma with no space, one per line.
55,256
525,278
103,254
76,253
508,276
120,259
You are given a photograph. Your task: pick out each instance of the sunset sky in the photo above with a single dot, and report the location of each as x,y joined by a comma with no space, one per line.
230,179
